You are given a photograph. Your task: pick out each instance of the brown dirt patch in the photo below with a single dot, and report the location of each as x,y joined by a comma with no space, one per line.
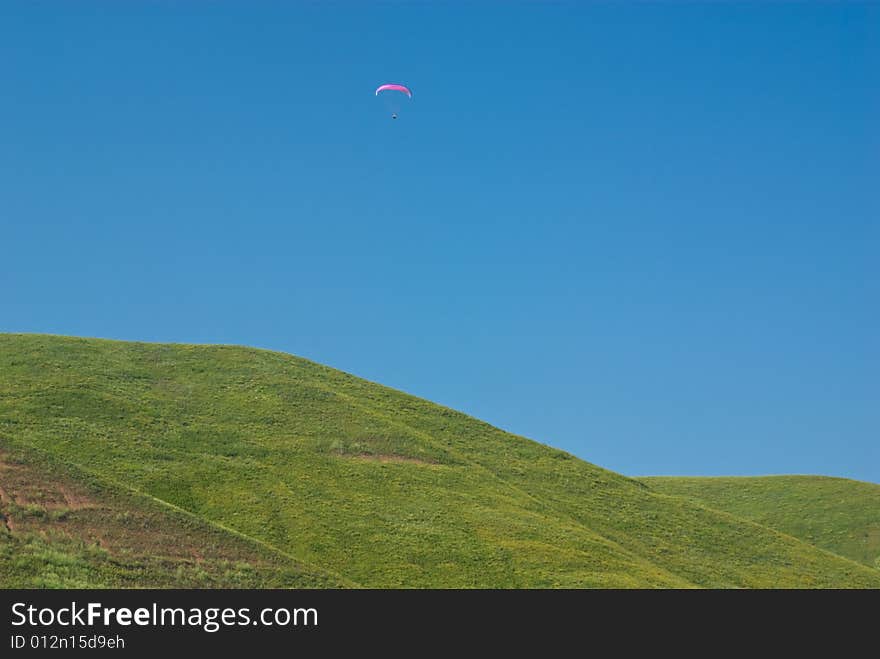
390,457
54,506
24,489
74,500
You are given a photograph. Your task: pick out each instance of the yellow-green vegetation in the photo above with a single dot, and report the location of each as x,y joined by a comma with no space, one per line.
354,482
62,528
837,514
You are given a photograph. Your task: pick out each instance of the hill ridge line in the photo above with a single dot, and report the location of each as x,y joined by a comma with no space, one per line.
754,477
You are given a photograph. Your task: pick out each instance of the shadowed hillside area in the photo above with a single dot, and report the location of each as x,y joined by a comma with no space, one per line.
148,464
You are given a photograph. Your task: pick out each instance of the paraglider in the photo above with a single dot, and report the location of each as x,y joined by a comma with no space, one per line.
393,87
391,92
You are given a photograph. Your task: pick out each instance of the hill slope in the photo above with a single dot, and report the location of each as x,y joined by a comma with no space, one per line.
840,515
62,528
362,481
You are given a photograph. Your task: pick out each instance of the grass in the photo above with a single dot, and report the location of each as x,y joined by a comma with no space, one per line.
63,528
363,484
836,514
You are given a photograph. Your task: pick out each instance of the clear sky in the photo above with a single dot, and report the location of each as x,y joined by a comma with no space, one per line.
645,234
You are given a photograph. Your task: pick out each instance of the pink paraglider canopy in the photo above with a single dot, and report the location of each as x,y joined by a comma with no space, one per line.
397,88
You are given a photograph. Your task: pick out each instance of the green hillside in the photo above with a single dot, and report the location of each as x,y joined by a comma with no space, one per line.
342,479
840,515
63,528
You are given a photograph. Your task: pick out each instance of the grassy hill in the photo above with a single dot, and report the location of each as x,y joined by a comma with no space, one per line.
63,528
330,479
840,515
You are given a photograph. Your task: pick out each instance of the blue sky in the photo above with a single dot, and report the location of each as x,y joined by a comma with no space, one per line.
645,234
